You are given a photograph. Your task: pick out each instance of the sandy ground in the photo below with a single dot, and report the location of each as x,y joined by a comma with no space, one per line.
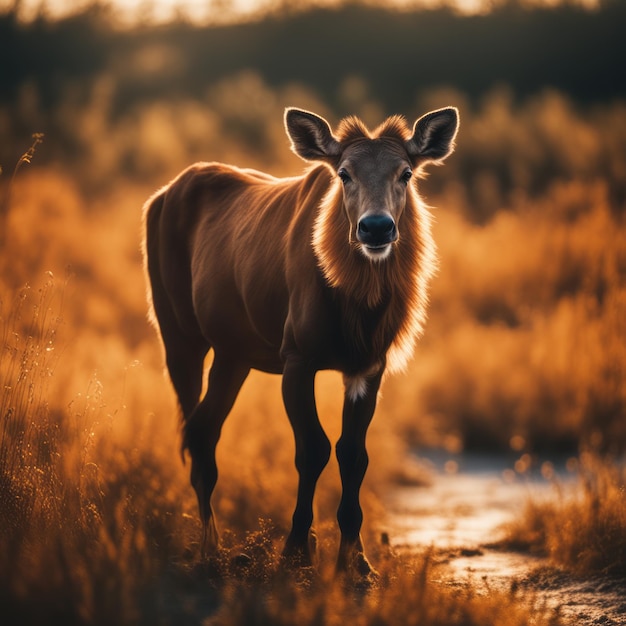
462,513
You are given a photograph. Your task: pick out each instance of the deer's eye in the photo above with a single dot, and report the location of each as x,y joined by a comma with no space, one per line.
406,176
343,175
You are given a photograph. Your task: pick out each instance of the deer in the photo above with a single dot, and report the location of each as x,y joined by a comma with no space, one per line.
328,270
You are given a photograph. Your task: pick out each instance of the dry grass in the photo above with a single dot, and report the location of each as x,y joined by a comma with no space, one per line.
585,532
406,595
67,509
99,526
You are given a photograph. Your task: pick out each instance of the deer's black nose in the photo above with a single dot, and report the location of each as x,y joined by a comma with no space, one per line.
376,230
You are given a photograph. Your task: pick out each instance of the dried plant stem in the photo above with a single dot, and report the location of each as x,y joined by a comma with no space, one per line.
5,203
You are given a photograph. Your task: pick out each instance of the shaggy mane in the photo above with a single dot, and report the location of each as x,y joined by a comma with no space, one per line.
406,273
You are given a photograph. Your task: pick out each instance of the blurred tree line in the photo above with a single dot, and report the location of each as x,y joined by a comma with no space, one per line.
574,50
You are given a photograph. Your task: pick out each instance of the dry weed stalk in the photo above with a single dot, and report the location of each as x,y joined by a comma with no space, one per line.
5,203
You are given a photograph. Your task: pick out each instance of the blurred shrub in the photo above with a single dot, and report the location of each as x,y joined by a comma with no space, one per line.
526,327
509,151
585,531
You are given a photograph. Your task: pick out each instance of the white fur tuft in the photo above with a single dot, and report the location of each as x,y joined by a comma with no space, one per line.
356,387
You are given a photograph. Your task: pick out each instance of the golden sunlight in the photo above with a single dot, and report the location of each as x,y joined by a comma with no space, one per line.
133,12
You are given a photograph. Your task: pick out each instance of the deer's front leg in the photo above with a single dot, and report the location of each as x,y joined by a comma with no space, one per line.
312,453
359,405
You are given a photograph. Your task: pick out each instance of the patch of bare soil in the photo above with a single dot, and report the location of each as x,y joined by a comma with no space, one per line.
460,517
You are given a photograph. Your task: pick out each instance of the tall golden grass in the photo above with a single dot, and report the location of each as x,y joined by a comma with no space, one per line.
66,501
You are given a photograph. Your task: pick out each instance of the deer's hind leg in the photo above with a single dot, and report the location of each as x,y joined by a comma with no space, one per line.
202,432
185,351
185,364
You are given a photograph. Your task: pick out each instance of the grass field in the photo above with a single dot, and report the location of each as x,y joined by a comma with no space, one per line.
99,524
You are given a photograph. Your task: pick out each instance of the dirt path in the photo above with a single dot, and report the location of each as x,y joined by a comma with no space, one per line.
463,511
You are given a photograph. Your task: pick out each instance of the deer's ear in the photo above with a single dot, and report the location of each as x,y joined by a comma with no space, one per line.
311,136
433,135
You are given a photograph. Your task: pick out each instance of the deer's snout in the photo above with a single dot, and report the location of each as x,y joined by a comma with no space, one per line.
375,231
